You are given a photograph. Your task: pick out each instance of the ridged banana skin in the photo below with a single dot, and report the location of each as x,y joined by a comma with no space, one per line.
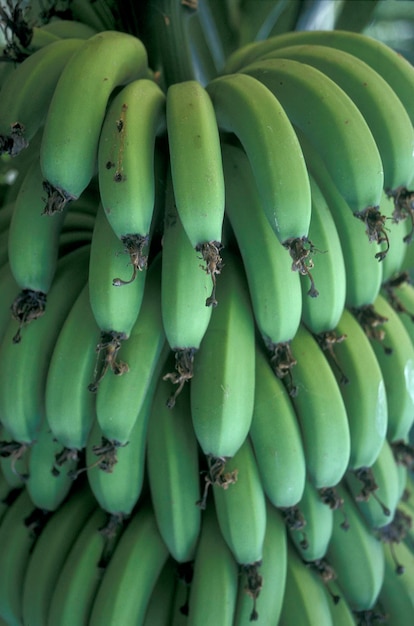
115,308
321,314
397,370
184,288
396,597
33,242
213,555
9,289
173,473
319,525
405,296
321,413
17,541
305,600
386,476
126,173
80,575
222,393
24,368
333,123
364,395
28,91
249,110
135,565
363,271
384,112
391,65
69,405
356,556
67,28
119,398
49,554
276,438
161,601
77,109
275,289
273,571
340,611
196,165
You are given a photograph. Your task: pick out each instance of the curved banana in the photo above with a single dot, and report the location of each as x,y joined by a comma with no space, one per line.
161,602
140,554
396,597
28,91
9,290
49,554
184,295
275,290
326,441
400,230
14,461
120,398
23,369
134,118
173,473
196,170
68,28
76,112
222,393
249,110
384,112
276,438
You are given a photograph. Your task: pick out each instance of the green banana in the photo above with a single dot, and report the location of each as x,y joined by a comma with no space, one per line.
173,473
24,367
161,601
120,398
196,170
396,596
273,571
332,123
68,28
13,461
326,439
247,109
399,232
363,390
9,289
275,289
384,112
28,91
222,393
212,597
184,295
340,610
49,554
276,438
126,173
75,115
136,563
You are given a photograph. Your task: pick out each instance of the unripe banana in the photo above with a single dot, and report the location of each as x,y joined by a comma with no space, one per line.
396,597
77,109
9,289
161,601
13,461
126,173
67,28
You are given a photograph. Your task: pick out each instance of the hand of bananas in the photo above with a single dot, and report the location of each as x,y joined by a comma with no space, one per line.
206,326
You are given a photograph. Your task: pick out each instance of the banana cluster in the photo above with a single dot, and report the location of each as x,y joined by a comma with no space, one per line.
206,335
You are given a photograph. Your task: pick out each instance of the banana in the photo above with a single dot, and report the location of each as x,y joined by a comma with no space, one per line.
18,532
273,571
173,473
396,597
276,438
14,461
333,124
115,309
24,367
161,601
275,290
326,440
247,109
394,351
363,390
184,294
196,170
28,91
222,393
212,556
126,173
49,554
305,600
81,573
69,28
77,109
9,289
120,398
340,610
384,112
136,563
400,230
356,556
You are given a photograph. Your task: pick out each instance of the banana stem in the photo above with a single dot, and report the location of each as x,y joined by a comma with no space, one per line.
28,305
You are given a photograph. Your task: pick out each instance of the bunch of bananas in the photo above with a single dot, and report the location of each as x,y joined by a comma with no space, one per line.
206,333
